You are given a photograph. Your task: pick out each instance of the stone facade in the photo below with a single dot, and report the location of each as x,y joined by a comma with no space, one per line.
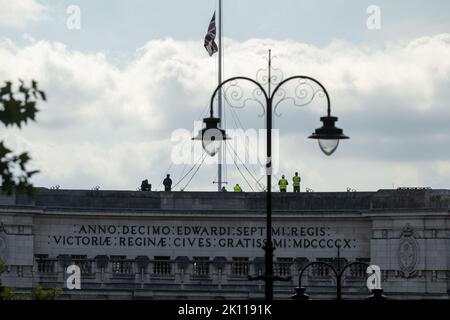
158,245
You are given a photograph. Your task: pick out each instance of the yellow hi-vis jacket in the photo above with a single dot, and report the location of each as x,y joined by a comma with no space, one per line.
283,184
237,188
296,180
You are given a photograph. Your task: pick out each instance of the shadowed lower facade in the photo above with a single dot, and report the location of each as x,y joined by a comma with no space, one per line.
204,245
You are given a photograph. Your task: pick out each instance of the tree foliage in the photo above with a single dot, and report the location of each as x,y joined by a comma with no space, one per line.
37,293
16,109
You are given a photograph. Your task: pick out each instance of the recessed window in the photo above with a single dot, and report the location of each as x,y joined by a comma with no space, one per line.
162,266
283,267
44,264
201,266
121,266
83,263
322,270
359,270
240,267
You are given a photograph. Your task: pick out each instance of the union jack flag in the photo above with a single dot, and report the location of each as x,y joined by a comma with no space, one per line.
210,44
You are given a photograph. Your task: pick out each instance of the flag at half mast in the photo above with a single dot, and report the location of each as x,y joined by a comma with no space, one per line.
210,44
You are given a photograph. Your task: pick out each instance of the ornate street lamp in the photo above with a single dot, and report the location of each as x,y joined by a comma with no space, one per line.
211,136
328,136
338,272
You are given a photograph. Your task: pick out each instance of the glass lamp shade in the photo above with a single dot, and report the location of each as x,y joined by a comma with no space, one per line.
211,136
328,135
212,141
328,146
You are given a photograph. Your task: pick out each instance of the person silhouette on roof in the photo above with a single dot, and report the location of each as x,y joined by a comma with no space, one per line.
167,183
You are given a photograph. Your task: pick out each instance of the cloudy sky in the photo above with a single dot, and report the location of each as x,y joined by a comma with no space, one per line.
135,72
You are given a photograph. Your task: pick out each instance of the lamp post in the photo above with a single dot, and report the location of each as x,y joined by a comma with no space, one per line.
328,137
377,294
337,271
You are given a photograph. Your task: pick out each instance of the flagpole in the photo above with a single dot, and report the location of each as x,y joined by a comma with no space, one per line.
220,155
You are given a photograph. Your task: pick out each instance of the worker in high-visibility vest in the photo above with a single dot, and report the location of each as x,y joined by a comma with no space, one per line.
296,182
283,183
237,188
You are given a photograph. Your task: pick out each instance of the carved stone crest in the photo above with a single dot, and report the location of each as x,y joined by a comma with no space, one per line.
408,253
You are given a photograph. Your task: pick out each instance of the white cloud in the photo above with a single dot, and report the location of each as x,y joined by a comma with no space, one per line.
21,13
111,126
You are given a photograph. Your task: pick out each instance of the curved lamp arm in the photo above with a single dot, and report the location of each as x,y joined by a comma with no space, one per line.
234,79
306,78
330,266
353,264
